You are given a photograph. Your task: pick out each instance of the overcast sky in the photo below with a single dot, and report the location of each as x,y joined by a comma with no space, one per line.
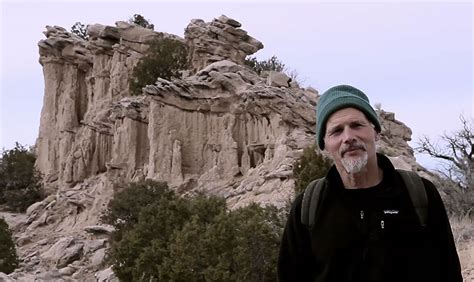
415,59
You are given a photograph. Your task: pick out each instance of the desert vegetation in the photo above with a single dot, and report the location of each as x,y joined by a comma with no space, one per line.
8,257
165,58
161,236
20,183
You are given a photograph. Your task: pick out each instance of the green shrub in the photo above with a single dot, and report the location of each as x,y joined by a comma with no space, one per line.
272,64
20,182
8,257
166,58
194,239
80,30
143,247
239,245
141,21
310,166
124,209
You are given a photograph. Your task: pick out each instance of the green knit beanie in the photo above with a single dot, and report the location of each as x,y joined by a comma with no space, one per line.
337,98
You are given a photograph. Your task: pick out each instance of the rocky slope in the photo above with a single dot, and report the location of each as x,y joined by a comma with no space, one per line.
222,129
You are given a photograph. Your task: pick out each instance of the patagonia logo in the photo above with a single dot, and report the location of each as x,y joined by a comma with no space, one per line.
390,212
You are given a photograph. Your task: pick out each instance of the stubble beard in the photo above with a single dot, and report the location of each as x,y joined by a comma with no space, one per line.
354,165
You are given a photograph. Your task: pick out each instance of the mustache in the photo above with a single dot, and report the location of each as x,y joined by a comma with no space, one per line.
353,146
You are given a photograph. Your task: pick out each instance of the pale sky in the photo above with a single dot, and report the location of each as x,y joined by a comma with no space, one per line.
415,59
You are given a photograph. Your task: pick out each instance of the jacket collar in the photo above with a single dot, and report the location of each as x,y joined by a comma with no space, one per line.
389,175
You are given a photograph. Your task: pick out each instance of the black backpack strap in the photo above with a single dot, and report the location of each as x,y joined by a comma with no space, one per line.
310,201
417,192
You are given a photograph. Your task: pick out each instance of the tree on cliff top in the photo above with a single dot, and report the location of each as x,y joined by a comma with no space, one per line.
80,30
271,64
141,21
165,58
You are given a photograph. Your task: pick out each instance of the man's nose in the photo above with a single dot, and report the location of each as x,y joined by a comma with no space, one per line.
348,135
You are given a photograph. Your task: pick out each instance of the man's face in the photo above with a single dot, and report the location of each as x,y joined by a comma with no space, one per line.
350,140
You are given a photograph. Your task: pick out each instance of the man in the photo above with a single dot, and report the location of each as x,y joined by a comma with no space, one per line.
366,227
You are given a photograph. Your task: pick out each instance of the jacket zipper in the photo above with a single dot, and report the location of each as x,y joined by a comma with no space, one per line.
365,249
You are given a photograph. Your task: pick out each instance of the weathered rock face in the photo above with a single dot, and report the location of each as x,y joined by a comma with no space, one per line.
228,133
223,129
221,39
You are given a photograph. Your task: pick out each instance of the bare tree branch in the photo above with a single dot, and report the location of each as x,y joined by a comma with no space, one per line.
458,152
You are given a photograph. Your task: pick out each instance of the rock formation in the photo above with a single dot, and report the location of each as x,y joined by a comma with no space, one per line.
221,129
221,39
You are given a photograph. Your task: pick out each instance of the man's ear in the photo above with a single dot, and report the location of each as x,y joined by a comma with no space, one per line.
377,136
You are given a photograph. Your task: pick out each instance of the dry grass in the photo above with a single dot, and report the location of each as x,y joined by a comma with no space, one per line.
463,231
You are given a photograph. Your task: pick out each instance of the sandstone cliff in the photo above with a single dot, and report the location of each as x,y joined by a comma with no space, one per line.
222,129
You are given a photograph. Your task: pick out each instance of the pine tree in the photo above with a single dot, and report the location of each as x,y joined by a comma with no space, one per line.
165,58
20,182
8,257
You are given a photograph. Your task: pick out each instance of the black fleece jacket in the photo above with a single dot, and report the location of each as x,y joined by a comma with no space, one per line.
370,234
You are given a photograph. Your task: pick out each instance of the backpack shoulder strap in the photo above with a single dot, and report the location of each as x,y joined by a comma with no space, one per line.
417,192
310,201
